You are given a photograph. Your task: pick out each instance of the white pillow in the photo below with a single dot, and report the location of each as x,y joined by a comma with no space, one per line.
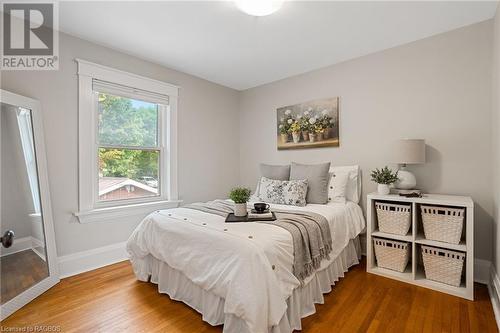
285,192
337,187
353,189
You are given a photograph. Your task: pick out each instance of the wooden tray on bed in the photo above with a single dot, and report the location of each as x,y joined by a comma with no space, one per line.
231,218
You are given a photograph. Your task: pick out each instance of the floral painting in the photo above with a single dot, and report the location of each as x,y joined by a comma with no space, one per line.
309,125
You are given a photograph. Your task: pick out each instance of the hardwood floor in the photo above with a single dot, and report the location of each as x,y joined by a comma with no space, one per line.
111,300
19,271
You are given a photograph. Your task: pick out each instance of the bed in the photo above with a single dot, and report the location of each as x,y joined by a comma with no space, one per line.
240,274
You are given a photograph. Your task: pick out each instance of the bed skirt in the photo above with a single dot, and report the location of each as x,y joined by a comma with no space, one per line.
211,307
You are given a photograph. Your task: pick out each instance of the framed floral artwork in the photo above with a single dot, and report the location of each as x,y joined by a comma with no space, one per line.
311,124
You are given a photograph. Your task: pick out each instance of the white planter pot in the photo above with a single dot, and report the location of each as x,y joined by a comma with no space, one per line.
240,209
383,189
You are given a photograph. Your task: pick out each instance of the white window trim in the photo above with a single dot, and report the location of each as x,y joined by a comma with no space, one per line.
89,209
24,123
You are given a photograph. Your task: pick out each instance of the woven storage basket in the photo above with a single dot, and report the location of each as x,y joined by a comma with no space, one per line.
391,254
393,218
443,265
443,224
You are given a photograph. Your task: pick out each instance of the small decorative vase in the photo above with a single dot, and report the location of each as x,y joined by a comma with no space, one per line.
319,136
383,189
284,137
240,209
305,135
326,134
312,137
296,137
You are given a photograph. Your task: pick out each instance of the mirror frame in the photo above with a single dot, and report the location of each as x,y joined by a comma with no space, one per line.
36,290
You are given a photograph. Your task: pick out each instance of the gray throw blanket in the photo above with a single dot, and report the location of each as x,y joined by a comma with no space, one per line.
312,240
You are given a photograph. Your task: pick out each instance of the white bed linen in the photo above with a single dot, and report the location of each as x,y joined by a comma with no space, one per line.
299,305
249,265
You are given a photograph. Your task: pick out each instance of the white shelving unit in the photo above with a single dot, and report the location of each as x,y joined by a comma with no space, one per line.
414,272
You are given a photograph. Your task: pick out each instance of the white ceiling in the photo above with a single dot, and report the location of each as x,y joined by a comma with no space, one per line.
217,42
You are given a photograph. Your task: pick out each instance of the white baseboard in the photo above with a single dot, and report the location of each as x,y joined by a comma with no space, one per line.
38,247
494,290
35,242
84,261
20,244
23,244
482,270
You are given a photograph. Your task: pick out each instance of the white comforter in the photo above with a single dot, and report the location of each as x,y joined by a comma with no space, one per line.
247,264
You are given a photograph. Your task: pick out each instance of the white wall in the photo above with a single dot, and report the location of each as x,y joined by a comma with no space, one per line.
437,88
208,119
17,202
496,139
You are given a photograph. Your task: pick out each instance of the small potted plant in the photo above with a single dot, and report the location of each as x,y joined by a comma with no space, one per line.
283,132
240,196
331,126
320,130
284,127
305,127
384,177
295,130
312,129
326,123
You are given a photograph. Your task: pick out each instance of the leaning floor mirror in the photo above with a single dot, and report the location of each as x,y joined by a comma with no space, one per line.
28,262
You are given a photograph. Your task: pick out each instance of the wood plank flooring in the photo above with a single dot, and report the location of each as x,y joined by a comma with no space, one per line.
19,271
111,300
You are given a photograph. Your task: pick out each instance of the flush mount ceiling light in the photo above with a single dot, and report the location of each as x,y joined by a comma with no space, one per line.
258,7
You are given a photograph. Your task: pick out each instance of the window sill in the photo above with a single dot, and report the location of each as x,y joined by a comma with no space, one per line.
116,212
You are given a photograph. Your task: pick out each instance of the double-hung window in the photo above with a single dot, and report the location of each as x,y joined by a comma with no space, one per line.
26,133
127,143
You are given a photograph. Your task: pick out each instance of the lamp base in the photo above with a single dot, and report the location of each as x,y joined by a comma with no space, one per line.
407,180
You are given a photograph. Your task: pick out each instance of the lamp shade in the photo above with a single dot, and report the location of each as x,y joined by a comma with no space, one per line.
410,151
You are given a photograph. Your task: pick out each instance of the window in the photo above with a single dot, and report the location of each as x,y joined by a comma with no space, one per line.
26,133
128,147
127,142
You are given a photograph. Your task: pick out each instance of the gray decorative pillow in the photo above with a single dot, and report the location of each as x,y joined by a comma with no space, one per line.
285,192
317,179
278,172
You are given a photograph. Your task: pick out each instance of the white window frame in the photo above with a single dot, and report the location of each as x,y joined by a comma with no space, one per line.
162,137
90,208
24,123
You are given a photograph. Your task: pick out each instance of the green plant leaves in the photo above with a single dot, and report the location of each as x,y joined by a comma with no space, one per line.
384,176
240,194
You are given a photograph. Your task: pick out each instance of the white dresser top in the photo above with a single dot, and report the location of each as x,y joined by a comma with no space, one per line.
437,199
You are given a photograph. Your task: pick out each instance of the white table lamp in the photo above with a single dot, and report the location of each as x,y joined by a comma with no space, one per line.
408,151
